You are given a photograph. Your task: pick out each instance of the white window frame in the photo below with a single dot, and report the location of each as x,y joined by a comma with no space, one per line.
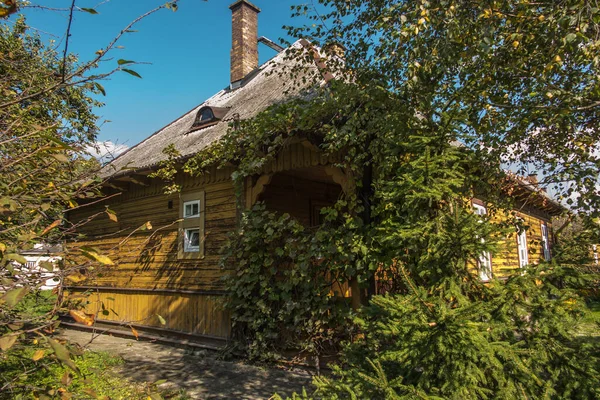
191,203
545,241
187,247
191,222
522,247
484,261
595,253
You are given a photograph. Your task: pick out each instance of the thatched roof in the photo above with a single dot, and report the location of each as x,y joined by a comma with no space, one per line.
271,83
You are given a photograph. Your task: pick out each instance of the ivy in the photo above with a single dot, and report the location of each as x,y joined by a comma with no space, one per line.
280,297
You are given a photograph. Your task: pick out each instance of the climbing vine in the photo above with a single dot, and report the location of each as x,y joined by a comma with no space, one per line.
281,297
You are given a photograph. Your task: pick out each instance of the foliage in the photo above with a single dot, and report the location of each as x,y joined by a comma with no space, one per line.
280,299
408,219
575,240
44,170
47,123
167,170
98,378
574,247
517,342
438,95
514,80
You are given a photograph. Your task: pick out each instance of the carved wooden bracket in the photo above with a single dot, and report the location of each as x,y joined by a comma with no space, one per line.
341,178
253,190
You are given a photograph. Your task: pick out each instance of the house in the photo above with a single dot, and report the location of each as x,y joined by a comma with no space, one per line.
166,247
40,268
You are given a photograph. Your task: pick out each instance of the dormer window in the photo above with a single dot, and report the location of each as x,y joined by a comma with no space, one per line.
207,116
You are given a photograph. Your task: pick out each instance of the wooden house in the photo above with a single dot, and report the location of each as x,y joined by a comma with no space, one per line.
171,270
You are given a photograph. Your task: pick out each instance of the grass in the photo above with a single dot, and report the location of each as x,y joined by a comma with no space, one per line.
591,321
49,379
31,370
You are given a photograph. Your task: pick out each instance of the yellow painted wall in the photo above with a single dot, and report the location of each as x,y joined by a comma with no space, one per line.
505,261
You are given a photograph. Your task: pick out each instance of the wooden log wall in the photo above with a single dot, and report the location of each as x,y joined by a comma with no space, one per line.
148,279
195,313
506,261
146,259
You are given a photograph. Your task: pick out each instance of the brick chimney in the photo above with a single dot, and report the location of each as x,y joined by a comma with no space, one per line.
244,39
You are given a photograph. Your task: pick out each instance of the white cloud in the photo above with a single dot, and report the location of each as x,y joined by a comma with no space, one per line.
106,151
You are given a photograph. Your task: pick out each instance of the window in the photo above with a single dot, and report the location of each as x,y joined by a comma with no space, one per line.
191,241
208,116
522,246
204,115
545,242
191,225
191,209
484,262
595,250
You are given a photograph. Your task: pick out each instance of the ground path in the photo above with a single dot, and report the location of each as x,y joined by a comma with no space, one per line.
199,373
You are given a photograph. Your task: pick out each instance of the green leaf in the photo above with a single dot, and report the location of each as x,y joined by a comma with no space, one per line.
89,10
123,62
48,266
100,88
13,297
16,257
131,72
63,354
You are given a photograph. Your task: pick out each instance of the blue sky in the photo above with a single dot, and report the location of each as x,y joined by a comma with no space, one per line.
188,51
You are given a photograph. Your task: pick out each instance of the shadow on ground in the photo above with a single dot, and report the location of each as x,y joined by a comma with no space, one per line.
199,374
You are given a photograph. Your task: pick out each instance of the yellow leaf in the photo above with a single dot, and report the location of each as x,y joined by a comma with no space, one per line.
93,255
112,215
60,157
38,355
135,332
51,226
82,318
76,277
146,226
14,296
6,342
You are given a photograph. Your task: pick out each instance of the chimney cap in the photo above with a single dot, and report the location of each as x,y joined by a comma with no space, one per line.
246,2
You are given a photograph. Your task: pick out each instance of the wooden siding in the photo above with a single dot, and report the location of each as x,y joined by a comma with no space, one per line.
148,277
147,259
506,260
189,312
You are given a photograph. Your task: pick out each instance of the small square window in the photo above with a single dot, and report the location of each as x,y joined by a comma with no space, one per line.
191,209
192,240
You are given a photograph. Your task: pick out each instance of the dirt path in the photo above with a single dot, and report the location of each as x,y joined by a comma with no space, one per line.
198,373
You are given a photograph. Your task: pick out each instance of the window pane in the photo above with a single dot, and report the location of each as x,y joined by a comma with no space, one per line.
192,240
191,209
